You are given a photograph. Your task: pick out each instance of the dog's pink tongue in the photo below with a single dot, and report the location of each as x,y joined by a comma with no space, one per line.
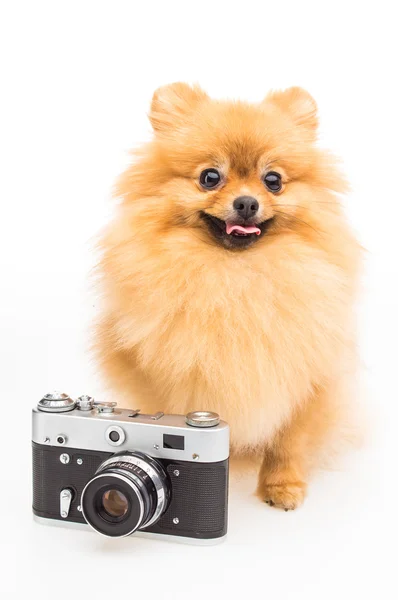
240,229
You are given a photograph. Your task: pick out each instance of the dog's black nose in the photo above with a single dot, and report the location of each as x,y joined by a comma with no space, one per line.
246,206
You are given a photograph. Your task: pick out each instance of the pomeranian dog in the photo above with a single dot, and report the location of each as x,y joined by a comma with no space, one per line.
229,278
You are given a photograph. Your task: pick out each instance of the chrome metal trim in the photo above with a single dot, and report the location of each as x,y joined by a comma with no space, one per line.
56,402
120,431
85,402
177,539
135,489
65,500
149,470
202,418
103,403
105,407
157,416
86,431
134,412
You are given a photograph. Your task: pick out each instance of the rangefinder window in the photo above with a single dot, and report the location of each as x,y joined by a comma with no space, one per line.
174,442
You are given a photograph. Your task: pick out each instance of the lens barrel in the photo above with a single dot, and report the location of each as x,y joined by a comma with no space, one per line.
129,491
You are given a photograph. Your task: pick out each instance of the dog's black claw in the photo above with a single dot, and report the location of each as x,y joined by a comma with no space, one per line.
271,503
286,509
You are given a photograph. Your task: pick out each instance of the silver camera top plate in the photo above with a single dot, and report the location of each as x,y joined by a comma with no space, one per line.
98,430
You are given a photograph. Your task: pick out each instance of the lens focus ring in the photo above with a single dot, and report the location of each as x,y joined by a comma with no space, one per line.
129,491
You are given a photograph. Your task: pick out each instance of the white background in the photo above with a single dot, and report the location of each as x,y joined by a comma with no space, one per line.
77,79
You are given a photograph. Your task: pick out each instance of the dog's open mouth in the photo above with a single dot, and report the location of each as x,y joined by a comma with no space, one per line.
234,234
241,230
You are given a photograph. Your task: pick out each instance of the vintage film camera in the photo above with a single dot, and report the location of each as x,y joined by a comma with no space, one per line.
123,472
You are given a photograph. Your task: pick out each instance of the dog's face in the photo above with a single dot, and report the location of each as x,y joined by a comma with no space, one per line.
236,171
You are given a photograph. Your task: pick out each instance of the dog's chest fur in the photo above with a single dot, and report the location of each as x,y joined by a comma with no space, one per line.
247,336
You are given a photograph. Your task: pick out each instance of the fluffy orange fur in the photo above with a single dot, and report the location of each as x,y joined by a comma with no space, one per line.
262,335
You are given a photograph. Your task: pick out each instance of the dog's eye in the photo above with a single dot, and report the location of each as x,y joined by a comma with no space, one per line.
273,181
209,178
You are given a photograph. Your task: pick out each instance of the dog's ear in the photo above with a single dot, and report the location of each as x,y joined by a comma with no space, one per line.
299,105
173,105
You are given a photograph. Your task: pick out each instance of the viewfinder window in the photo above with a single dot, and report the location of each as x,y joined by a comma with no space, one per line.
174,442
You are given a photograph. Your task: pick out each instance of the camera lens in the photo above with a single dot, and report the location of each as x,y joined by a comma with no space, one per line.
115,503
129,491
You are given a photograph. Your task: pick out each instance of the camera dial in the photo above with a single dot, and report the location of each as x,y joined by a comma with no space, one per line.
85,402
105,407
202,418
129,491
56,402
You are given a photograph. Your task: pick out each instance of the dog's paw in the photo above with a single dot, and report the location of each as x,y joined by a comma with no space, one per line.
286,495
